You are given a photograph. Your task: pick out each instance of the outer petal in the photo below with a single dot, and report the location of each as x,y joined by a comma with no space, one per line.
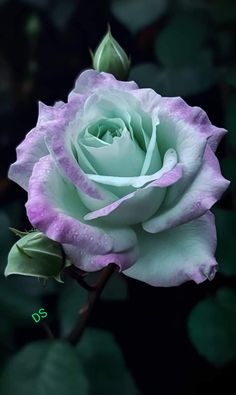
122,254
91,263
54,208
33,146
177,255
199,197
90,80
184,128
195,117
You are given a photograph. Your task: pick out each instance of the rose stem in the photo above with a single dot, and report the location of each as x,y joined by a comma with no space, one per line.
78,275
93,295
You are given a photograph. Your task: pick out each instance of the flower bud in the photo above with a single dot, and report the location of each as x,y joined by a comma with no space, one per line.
111,58
34,254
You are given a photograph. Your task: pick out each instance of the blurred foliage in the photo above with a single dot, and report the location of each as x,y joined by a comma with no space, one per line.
179,43
185,81
104,364
59,11
45,368
212,327
136,14
95,367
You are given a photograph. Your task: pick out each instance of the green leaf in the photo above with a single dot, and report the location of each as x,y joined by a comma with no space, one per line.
230,121
116,289
189,80
104,364
226,234
212,327
44,368
71,300
180,43
137,14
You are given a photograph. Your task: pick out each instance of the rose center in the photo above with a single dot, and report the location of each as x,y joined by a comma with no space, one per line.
107,129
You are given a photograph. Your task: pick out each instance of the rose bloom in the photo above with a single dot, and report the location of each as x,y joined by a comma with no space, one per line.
120,174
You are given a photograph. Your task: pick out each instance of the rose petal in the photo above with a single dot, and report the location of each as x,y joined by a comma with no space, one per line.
150,101
177,255
195,118
60,142
199,197
124,253
169,161
187,130
54,208
91,80
122,157
141,204
91,263
103,105
33,146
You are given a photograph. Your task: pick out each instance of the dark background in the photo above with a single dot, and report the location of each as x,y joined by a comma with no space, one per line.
43,47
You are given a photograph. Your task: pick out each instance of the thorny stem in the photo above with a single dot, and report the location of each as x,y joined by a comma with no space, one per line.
93,295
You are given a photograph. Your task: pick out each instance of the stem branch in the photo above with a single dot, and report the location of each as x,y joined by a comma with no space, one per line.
93,295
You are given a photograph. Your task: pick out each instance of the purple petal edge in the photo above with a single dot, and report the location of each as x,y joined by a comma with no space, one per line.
55,224
196,117
209,185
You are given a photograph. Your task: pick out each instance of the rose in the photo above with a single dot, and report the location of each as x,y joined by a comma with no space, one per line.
121,174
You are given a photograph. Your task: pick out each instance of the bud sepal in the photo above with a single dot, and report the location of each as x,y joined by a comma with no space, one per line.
34,254
111,58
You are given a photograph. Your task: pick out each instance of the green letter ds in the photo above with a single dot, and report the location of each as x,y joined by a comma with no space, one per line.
36,317
43,313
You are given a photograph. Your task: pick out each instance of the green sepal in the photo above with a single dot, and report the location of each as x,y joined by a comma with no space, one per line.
18,232
111,58
34,254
